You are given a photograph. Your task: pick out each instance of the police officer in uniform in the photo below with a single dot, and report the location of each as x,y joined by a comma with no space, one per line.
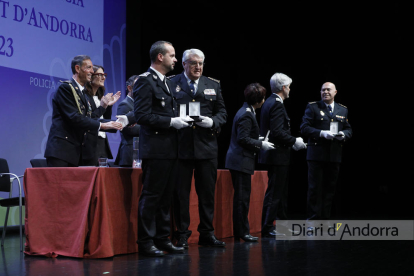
197,148
324,150
156,112
275,121
71,118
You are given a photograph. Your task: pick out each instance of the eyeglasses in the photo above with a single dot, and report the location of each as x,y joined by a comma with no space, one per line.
194,63
100,75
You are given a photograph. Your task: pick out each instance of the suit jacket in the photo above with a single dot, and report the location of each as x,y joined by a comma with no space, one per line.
154,107
317,118
89,148
198,142
68,131
244,143
124,157
274,117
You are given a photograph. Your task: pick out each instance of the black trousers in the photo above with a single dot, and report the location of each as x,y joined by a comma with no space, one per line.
242,184
158,182
205,176
275,200
322,179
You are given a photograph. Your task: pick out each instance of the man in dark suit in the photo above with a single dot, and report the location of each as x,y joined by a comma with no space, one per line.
325,123
155,111
124,157
197,148
274,119
71,118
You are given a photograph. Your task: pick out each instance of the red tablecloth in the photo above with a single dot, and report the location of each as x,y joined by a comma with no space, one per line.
92,212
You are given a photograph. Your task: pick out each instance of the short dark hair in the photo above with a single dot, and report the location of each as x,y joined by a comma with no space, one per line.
78,60
254,93
158,48
130,81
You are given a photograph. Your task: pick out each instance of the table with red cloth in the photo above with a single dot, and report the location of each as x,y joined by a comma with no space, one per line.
93,212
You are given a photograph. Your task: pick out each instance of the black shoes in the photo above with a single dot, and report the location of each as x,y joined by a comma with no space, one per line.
271,234
211,241
182,242
247,238
169,247
151,251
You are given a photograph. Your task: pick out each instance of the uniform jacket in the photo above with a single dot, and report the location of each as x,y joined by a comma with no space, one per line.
244,143
197,142
124,157
69,127
273,117
154,107
317,118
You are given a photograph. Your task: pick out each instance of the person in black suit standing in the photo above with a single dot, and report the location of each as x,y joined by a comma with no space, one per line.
326,125
71,118
156,112
124,157
197,148
98,146
244,145
275,124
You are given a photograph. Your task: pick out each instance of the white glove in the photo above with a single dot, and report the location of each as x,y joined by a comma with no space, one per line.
123,120
342,137
261,138
188,119
267,145
327,134
206,122
178,123
299,144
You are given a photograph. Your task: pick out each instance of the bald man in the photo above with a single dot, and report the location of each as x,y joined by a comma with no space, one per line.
326,126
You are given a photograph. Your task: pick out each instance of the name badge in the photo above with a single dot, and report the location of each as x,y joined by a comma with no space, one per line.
209,92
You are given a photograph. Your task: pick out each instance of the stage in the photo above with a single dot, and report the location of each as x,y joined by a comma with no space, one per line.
267,257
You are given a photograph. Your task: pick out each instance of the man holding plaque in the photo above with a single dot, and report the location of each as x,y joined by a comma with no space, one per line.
200,98
325,123
156,112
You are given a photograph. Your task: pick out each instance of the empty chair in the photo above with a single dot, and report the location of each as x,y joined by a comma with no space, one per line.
6,185
38,163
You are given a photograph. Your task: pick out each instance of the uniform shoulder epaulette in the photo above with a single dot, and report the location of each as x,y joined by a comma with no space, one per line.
311,102
278,99
248,109
343,105
214,80
145,74
170,77
66,81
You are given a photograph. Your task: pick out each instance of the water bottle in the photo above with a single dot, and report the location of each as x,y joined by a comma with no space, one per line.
136,162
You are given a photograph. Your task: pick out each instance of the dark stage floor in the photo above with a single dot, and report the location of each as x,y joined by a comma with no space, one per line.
267,257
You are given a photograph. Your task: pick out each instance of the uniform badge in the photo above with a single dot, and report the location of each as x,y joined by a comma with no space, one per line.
178,88
322,113
209,92
76,88
340,117
154,76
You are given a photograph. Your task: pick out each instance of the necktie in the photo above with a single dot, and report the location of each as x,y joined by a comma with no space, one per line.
192,87
330,109
165,83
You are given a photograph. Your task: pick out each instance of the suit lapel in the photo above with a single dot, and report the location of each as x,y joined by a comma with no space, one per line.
81,95
158,81
201,85
184,85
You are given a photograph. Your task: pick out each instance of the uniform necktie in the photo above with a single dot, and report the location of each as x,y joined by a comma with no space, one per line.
330,109
192,88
